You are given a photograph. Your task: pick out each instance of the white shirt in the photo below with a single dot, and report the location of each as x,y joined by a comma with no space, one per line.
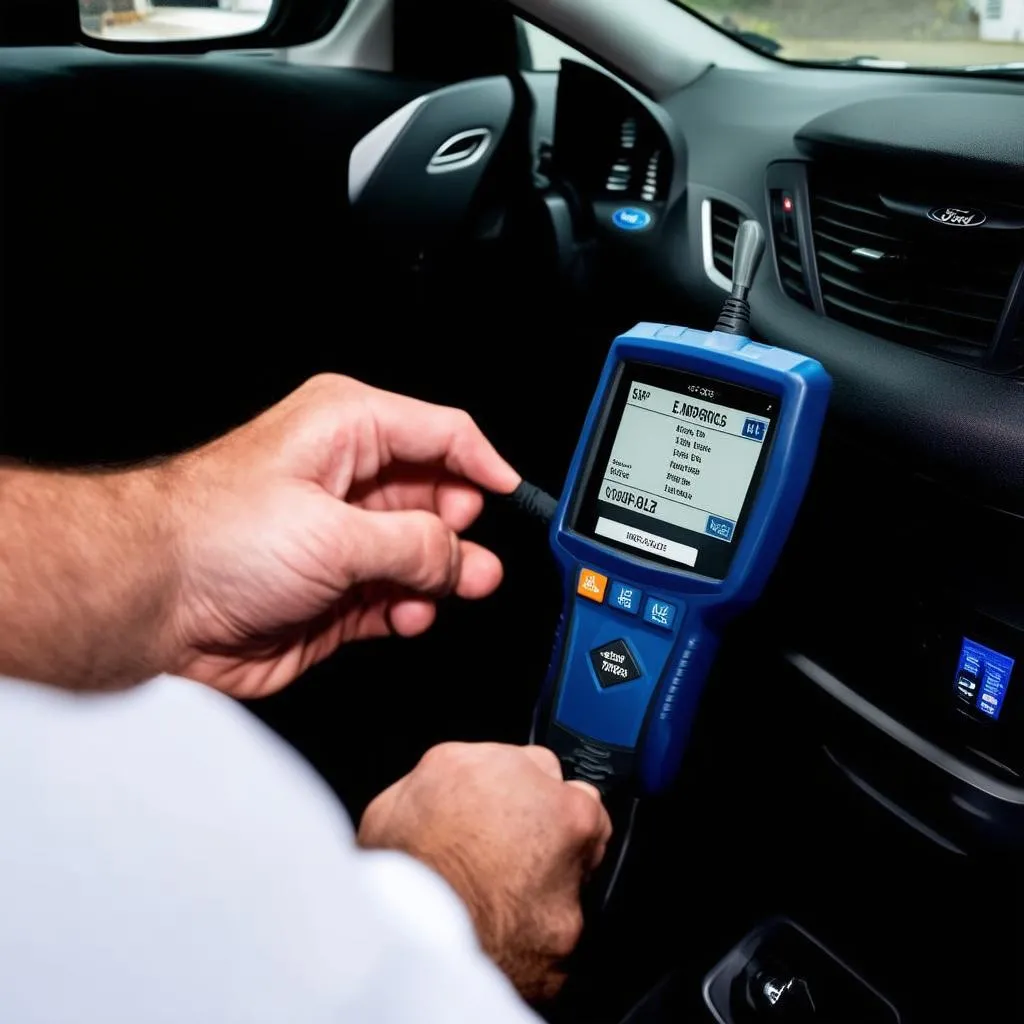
164,857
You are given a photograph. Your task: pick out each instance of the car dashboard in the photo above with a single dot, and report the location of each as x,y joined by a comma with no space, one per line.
874,685
857,765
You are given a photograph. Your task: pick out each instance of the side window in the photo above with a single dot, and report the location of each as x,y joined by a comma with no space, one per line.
152,21
546,50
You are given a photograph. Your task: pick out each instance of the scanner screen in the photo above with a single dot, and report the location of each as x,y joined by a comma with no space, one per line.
677,467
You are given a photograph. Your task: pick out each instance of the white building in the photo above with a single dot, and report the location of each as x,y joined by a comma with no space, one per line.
1000,21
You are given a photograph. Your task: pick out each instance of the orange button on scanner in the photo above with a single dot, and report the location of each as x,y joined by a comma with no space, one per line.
591,585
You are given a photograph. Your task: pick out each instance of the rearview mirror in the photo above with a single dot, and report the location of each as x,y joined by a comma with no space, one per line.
165,21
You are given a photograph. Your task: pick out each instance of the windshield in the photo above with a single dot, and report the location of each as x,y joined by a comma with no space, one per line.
979,35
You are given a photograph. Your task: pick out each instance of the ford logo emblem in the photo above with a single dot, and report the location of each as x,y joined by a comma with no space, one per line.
957,217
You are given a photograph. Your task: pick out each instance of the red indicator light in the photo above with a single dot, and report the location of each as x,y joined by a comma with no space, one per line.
787,204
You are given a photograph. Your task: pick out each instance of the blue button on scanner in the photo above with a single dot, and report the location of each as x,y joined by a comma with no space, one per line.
659,613
625,597
719,527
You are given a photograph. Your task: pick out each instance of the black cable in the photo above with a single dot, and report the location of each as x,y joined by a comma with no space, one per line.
534,502
734,318
746,258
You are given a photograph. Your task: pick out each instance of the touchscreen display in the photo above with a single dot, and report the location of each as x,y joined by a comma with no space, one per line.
982,678
676,468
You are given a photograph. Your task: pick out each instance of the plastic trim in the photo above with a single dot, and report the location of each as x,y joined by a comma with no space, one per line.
371,149
805,235
362,38
1003,354
751,942
707,248
908,819
881,720
658,46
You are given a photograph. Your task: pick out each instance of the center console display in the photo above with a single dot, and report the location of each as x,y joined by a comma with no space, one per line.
982,679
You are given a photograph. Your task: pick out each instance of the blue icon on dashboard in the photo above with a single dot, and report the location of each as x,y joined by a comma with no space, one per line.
982,677
719,527
631,218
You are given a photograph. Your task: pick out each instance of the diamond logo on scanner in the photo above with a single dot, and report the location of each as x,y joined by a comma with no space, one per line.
614,664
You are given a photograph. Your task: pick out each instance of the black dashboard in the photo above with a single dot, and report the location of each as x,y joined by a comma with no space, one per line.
903,342
896,257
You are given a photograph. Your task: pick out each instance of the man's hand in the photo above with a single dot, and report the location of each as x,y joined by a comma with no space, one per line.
333,516
511,838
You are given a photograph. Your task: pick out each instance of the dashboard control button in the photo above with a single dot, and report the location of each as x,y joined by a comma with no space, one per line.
631,218
967,686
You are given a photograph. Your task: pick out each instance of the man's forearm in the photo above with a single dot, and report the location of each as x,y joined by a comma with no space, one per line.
87,576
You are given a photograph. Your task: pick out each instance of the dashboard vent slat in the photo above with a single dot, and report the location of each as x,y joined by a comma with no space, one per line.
639,168
848,208
891,310
725,223
836,230
903,279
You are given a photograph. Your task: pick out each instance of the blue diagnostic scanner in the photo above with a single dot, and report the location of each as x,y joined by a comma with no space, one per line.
689,471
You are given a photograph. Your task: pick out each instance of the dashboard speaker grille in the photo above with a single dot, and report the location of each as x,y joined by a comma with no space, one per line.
725,223
932,287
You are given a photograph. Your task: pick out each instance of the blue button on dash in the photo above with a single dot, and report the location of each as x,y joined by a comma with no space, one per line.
631,218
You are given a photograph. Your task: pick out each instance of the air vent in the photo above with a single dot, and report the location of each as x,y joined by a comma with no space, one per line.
621,174
638,168
650,189
627,135
905,279
725,223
